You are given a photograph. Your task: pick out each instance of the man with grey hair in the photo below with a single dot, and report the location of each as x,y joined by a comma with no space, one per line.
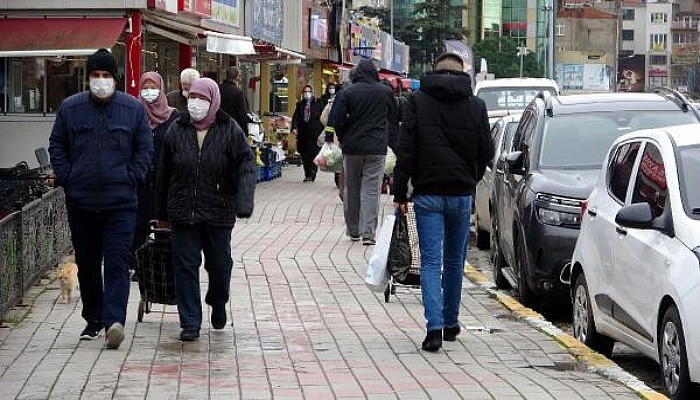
232,99
178,98
443,148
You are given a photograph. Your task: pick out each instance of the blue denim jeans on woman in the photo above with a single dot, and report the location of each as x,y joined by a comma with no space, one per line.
443,233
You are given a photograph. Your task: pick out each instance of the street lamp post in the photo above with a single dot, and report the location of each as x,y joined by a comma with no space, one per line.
550,13
522,52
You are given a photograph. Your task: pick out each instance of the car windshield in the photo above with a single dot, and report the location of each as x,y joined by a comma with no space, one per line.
510,98
580,141
689,174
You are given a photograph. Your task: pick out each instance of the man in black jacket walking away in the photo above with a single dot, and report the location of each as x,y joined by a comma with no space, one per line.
362,124
232,99
443,148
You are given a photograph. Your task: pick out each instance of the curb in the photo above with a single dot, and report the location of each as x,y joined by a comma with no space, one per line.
588,359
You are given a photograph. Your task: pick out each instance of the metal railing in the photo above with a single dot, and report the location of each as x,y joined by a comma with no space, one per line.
32,241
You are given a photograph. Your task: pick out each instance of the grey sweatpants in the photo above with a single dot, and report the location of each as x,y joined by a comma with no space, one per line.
363,177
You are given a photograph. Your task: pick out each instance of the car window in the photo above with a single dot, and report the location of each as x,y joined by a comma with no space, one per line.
689,174
591,134
620,169
510,98
508,133
524,130
650,182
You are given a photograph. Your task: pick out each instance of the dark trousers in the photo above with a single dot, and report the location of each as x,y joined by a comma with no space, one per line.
308,151
103,236
188,243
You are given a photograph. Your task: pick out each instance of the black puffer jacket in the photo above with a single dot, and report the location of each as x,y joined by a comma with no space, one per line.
212,186
445,142
363,113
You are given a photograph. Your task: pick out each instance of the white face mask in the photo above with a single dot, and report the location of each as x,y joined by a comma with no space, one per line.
150,95
102,88
185,93
308,96
198,108
331,91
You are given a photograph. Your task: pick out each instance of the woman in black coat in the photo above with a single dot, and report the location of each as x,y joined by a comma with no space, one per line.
306,125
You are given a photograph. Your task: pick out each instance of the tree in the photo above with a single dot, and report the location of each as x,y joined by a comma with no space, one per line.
434,21
501,56
380,13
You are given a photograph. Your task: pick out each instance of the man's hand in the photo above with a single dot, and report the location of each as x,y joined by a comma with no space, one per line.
162,224
294,132
402,207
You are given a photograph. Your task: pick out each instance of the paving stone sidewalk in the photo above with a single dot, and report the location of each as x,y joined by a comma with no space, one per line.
304,326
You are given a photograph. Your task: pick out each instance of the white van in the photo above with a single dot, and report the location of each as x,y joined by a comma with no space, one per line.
511,95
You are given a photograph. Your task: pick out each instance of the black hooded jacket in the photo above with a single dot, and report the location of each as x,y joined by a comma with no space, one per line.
363,113
444,143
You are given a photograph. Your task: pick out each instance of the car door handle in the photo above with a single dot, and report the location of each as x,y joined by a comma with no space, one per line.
621,231
592,212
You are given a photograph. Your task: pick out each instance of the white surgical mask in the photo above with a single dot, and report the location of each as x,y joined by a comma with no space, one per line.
185,93
331,91
308,96
198,108
102,88
150,95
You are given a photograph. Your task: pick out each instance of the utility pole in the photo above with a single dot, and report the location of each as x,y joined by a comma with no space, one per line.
522,52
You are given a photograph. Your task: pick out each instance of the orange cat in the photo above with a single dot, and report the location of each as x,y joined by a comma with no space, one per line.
67,275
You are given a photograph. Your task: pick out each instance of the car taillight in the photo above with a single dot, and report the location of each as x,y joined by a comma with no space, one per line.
584,208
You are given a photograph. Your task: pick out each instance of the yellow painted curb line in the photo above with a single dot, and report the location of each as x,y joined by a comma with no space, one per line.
582,353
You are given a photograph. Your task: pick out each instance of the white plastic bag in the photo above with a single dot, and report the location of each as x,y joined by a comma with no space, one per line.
376,277
390,162
330,158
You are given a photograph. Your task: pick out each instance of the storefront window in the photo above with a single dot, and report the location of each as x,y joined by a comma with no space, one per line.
64,77
163,56
25,81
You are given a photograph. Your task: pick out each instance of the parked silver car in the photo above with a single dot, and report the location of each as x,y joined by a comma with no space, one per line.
502,134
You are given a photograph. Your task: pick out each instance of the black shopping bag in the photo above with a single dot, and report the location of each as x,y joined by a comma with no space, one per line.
399,261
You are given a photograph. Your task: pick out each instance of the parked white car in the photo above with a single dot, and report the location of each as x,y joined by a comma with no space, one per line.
502,134
507,96
635,274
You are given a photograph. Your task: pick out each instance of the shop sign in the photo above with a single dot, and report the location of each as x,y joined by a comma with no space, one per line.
387,51
199,7
658,72
318,28
399,57
365,42
226,11
164,5
683,58
268,21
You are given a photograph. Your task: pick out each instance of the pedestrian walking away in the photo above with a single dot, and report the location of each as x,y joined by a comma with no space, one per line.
101,147
205,181
362,123
232,100
160,117
178,98
306,125
443,148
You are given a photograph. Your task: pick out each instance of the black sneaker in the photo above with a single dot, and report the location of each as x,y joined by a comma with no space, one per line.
189,335
218,316
450,334
433,341
91,331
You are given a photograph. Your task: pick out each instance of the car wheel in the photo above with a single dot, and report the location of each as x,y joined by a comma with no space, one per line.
483,238
497,260
525,294
583,321
673,358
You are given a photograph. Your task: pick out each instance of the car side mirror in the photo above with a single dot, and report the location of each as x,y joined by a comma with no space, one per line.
636,216
514,161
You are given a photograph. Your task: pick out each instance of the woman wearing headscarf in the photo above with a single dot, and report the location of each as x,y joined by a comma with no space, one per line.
160,117
205,180
306,125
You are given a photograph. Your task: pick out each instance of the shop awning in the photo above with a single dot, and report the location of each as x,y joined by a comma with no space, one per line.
37,37
229,44
270,52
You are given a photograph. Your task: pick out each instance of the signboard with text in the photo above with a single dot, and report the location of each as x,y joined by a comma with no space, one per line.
268,17
318,28
226,11
365,42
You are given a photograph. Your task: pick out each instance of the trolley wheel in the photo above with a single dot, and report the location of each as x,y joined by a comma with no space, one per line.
388,292
142,307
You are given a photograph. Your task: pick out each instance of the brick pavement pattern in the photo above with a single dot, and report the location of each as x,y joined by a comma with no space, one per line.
302,325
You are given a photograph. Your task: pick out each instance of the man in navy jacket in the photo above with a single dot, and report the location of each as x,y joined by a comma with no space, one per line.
101,146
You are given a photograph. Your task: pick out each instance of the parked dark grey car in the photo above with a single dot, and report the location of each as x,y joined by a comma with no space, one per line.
556,157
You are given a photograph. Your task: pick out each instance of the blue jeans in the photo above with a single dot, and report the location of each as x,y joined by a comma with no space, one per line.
103,236
443,233
188,242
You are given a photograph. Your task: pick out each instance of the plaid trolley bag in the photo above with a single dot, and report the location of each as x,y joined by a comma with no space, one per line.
412,279
155,271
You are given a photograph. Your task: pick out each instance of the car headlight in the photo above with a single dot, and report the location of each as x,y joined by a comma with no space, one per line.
558,211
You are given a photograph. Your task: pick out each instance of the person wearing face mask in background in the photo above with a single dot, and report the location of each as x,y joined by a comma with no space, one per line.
329,93
101,147
306,125
205,181
160,117
178,98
